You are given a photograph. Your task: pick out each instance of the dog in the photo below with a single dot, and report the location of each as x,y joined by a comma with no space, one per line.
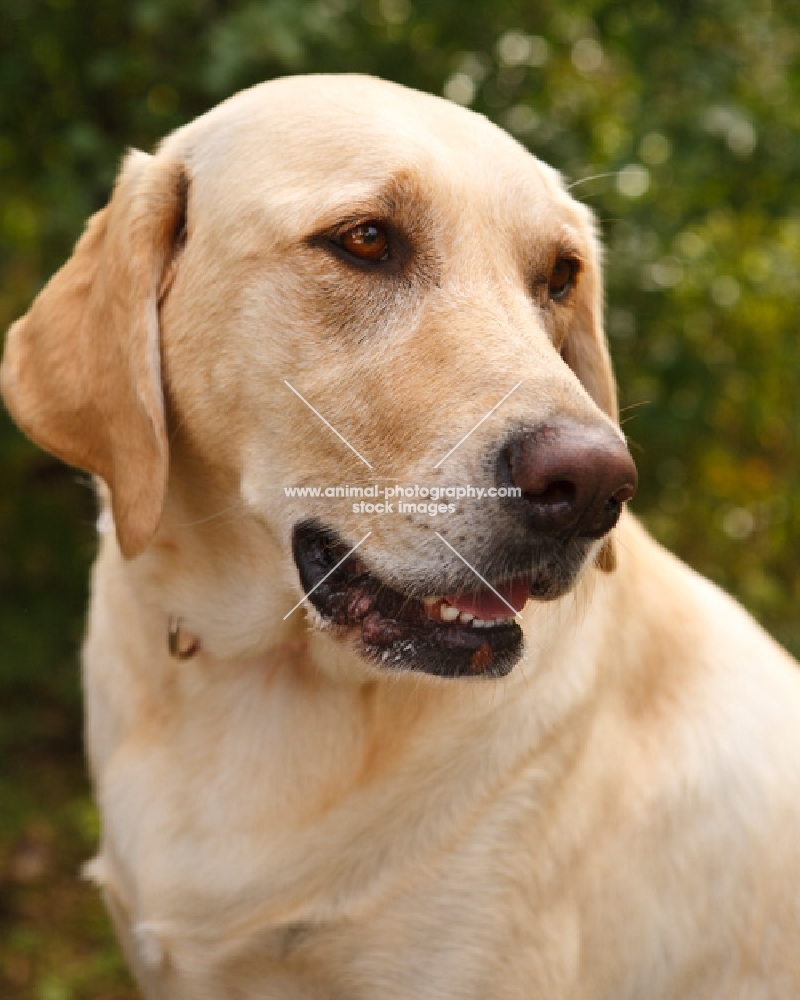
508,749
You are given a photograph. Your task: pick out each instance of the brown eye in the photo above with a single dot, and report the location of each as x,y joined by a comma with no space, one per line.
562,277
367,241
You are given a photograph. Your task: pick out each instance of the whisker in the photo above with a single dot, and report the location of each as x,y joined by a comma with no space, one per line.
633,406
593,177
632,443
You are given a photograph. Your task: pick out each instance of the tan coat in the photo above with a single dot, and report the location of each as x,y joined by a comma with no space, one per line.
617,819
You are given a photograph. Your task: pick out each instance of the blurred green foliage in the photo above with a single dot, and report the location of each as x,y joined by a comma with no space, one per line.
687,116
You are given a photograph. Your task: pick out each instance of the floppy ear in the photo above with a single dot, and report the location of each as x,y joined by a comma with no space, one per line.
585,350
81,374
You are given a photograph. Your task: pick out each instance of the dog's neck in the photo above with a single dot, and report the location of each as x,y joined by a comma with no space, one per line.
260,685
218,574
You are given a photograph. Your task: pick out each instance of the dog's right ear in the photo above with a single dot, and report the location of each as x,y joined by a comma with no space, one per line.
81,373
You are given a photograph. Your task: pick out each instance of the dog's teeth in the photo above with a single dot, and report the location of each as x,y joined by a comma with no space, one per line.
466,617
431,600
489,622
448,613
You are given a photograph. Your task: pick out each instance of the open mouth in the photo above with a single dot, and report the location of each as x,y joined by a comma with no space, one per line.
451,635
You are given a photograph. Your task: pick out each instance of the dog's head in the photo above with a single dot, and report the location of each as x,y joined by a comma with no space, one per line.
335,282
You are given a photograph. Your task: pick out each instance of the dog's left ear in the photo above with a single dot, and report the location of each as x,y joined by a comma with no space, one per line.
81,374
585,350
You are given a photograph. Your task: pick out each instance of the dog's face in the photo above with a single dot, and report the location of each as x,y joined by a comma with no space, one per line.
403,266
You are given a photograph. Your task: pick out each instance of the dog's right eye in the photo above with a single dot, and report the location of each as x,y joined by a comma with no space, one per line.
367,241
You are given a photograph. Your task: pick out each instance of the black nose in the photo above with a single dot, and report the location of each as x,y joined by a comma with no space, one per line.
574,479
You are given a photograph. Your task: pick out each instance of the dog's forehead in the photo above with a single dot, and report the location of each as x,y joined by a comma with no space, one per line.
307,145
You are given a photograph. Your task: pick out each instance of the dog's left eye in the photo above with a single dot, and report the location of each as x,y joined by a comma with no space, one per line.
562,277
366,241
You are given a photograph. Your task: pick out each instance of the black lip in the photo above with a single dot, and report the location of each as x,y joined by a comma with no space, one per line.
395,632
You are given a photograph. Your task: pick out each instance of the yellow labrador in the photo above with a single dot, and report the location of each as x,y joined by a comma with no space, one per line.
408,786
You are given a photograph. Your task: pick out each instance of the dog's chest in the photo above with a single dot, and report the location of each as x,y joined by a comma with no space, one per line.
440,932
395,894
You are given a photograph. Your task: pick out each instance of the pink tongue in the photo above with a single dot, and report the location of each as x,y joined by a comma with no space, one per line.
486,604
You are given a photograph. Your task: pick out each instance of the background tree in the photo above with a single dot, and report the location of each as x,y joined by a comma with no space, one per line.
686,117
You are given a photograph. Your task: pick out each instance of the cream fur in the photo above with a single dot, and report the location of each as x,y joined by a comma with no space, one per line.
618,819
